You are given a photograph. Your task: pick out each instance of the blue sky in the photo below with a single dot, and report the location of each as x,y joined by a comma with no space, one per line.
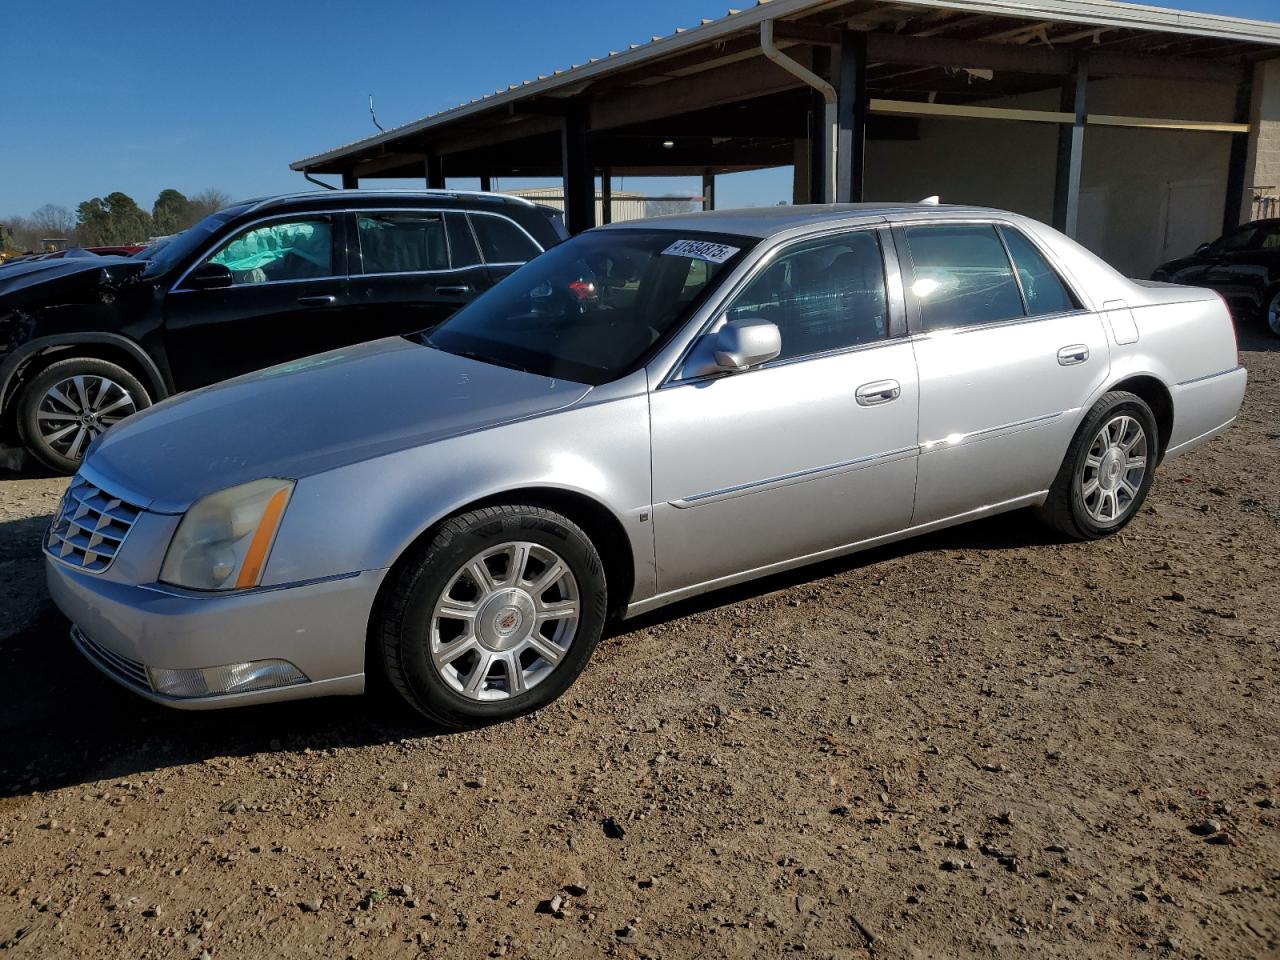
144,95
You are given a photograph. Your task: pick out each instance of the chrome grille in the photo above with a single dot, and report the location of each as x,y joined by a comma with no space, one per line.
89,527
127,671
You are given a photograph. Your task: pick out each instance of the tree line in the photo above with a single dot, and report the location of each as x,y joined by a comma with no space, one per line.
113,220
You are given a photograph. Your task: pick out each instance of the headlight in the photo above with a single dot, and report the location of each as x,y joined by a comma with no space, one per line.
223,541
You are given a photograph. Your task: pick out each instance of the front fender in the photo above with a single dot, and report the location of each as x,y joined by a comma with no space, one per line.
363,516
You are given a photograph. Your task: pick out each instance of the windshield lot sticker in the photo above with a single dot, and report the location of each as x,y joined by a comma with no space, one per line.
701,250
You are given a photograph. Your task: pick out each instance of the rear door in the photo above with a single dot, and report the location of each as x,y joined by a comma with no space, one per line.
412,270
1006,359
287,300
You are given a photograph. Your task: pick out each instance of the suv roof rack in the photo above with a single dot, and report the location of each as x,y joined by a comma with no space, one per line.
260,202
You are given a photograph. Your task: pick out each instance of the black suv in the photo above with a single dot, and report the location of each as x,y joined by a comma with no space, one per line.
85,342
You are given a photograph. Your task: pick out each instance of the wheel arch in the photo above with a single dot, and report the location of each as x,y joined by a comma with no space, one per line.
1157,396
112,347
601,525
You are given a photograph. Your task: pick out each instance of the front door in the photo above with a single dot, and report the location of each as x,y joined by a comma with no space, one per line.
288,299
414,269
809,452
1006,362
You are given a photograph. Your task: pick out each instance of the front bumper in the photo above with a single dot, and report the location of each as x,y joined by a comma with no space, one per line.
320,627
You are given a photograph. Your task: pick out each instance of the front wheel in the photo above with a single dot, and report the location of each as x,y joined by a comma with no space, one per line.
1107,471
65,406
497,616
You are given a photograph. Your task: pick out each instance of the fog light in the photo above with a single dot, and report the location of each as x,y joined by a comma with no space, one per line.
231,678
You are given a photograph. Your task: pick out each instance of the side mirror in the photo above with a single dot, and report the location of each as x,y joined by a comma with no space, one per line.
745,343
208,276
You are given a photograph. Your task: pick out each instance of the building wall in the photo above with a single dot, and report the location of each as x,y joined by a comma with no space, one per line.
1129,180
1262,169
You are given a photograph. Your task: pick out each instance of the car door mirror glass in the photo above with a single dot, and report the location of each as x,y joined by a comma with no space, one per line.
745,343
208,276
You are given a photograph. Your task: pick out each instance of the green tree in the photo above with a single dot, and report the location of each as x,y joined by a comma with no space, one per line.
112,220
171,212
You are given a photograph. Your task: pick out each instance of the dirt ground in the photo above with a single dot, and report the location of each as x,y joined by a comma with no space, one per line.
981,743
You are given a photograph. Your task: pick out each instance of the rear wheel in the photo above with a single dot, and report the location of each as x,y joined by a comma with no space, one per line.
65,406
1273,313
496,617
1107,471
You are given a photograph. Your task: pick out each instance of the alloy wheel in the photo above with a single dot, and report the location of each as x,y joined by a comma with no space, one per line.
75,410
1114,468
1273,315
504,621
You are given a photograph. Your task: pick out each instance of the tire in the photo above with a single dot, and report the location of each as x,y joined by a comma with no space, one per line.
69,403
1097,490
438,628
1271,312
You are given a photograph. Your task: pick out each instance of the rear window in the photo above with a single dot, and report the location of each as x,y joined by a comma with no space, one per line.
403,242
1043,288
501,241
962,276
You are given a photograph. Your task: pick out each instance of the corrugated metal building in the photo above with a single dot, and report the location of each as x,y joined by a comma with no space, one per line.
622,204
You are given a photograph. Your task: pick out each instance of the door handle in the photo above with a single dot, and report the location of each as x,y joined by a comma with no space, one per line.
323,300
882,391
1076,353
457,290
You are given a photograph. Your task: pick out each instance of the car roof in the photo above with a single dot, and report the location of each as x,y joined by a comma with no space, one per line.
369,198
767,221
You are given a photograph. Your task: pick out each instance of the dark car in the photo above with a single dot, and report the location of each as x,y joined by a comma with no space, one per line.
85,341
1243,266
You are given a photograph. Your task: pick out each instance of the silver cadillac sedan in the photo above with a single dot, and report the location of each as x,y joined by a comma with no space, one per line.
649,411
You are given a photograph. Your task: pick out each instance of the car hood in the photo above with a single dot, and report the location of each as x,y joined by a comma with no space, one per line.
312,415
52,276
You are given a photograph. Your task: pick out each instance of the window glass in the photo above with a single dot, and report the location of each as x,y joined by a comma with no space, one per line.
594,307
402,241
284,250
824,295
1270,237
1244,238
462,245
1044,289
962,276
502,241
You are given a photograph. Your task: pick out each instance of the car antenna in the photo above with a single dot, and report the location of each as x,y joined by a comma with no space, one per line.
374,116
931,201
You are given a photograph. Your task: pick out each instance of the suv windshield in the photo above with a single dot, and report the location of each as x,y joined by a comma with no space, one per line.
595,307
175,250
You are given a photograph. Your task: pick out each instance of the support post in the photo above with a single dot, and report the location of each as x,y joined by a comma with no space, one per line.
606,195
486,182
821,176
1238,159
579,183
851,117
1066,190
350,181
435,172
708,189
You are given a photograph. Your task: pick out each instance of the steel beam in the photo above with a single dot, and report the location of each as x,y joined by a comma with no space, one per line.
708,189
434,172
1238,160
349,181
576,171
606,195
1066,191
851,117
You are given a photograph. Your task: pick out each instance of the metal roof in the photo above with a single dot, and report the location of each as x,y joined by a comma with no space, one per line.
1105,14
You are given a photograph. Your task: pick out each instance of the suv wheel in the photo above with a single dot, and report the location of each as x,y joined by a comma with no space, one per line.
69,403
1108,469
496,617
1273,313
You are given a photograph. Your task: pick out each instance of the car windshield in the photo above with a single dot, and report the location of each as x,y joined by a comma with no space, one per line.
595,307
178,248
